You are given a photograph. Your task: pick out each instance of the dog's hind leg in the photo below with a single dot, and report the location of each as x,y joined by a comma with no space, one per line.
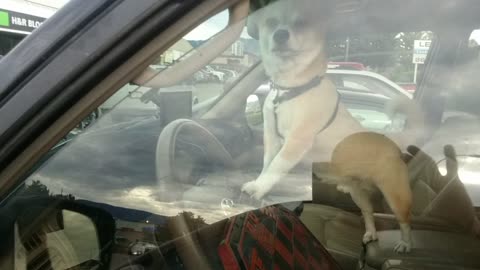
398,195
361,197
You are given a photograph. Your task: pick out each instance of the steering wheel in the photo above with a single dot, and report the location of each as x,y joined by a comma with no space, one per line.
185,150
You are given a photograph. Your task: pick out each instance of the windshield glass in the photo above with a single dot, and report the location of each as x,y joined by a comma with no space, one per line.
216,154
330,111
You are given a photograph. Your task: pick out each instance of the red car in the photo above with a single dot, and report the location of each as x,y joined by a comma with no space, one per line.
346,65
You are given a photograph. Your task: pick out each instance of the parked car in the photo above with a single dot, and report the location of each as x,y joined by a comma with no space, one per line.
346,65
191,160
367,107
410,87
139,248
365,94
366,81
216,75
230,75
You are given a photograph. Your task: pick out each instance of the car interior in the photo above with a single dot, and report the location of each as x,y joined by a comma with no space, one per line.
445,222
443,211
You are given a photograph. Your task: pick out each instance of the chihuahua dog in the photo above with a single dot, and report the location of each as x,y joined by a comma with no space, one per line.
305,121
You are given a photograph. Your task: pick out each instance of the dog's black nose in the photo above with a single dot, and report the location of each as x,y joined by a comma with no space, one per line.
281,36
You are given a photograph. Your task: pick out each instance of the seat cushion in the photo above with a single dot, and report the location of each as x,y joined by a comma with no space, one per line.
339,231
429,248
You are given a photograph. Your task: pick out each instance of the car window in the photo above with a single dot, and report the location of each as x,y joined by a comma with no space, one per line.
368,83
133,102
371,115
137,225
139,113
460,118
354,86
351,161
372,119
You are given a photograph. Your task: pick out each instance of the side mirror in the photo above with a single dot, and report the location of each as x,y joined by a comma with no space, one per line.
54,233
253,111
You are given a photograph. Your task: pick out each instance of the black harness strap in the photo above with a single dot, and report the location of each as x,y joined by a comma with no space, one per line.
333,116
296,91
293,92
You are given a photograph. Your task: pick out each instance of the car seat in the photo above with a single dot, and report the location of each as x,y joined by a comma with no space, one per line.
440,203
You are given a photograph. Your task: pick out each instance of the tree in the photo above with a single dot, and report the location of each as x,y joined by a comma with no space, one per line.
389,54
36,188
163,233
403,70
194,223
373,51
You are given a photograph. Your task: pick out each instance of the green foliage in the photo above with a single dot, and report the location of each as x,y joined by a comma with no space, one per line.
373,51
193,223
163,233
36,188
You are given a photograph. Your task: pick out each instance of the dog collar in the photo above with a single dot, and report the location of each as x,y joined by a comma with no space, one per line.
292,92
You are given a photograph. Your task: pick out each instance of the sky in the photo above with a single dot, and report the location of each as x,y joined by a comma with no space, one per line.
211,27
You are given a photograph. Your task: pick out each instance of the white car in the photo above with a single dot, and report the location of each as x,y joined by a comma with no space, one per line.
366,81
141,248
217,74
365,93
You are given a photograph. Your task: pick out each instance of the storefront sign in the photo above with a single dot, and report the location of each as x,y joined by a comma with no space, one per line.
11,20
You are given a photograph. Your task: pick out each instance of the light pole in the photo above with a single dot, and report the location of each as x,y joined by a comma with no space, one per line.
347,49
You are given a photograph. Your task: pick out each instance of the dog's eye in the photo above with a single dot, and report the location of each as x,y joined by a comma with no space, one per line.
271,22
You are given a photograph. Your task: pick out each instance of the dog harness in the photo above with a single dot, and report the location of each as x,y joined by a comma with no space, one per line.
293,92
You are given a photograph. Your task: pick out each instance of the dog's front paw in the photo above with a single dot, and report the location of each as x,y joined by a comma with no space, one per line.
402,247
255,189
369,237
249,187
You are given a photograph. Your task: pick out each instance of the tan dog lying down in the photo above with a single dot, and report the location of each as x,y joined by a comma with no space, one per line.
304,119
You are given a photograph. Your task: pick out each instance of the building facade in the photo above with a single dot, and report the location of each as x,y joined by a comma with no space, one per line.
18,18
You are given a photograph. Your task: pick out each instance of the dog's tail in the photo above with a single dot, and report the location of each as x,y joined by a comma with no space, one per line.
413,127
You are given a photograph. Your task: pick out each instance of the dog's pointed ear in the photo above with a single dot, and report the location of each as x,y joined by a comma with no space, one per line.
252,26
255,8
